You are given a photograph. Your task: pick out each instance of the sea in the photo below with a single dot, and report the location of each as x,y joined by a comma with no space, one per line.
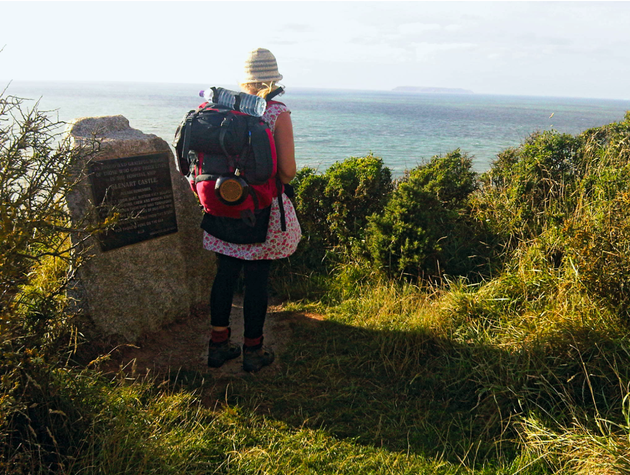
404,129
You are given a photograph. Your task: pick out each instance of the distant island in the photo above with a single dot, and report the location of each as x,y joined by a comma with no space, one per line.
431,90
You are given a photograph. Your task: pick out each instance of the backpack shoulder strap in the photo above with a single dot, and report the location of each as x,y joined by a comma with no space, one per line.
186,143
273,94
283,221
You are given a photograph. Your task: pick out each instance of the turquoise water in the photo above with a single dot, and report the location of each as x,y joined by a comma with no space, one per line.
330,125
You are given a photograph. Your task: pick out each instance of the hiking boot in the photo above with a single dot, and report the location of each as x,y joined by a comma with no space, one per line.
219,353
253,360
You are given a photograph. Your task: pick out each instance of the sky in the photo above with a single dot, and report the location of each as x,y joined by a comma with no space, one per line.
567,49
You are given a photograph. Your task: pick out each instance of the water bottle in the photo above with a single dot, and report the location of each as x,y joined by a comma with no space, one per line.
252,105
248,103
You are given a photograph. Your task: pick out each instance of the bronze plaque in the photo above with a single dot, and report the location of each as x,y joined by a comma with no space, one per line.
139,189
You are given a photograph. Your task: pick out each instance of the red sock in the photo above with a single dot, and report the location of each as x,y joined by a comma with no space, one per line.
220,337
249,342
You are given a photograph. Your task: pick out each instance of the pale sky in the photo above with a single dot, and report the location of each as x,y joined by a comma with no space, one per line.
572,49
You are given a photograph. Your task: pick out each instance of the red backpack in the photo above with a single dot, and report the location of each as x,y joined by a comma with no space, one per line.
230,160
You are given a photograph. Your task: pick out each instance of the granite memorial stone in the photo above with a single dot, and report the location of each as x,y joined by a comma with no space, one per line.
150,269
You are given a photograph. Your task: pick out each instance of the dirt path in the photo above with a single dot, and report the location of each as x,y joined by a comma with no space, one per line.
184,345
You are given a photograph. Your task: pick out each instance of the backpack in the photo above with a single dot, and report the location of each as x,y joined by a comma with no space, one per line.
230,160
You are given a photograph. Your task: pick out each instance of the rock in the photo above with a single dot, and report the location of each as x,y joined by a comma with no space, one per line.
132,290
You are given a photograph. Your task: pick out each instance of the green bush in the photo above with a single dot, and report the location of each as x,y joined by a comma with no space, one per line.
568,197
598,234
598,246
530,187
426,229
333,207
39,423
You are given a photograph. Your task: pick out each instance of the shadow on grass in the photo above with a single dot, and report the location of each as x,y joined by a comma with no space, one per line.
421,394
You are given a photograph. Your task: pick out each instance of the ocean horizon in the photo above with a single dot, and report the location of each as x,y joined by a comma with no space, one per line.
330,125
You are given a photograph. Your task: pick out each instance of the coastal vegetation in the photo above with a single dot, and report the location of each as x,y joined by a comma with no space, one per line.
444,322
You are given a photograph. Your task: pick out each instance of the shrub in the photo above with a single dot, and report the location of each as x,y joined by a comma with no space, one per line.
312,209
333,207
598,235
39,423
568,197
426,228
530,187
598,246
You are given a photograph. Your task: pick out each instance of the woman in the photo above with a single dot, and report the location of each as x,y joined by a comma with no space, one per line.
261,77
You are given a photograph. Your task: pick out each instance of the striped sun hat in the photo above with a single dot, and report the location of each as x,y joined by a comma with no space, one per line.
261,66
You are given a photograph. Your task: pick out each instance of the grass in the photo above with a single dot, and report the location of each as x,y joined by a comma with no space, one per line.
458,377
151,429
523,374
390,379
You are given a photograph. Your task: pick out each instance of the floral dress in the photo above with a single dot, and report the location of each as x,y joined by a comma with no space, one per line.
279,244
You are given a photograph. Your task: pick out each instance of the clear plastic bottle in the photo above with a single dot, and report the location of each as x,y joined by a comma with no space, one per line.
247,104
252,105
223,97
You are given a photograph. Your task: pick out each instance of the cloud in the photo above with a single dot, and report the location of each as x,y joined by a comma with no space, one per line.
297,28
409,31
418,28
453,28
426,51
280,40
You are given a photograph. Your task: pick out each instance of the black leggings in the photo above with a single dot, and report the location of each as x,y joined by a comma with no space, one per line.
255,295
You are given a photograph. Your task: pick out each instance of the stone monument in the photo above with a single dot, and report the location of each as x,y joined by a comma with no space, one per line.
150,269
